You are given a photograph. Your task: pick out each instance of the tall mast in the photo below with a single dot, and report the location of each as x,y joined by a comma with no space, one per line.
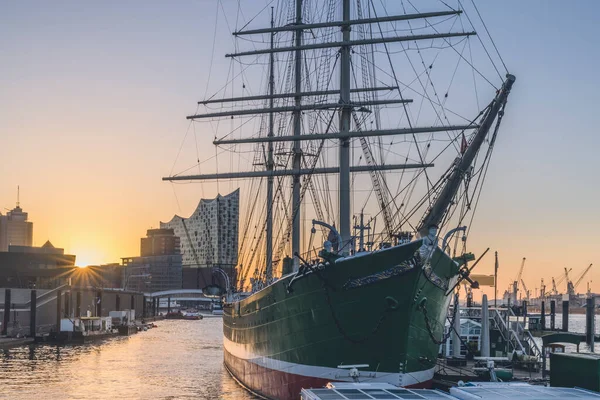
436,213
344,105
345,116
296,149
270,163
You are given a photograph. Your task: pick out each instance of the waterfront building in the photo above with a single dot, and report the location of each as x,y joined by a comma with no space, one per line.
153,273
159,266
15,229
159,242
100,276
212,232
470,333
41,267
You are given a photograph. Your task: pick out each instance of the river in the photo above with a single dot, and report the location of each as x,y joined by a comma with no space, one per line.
177,360
577,325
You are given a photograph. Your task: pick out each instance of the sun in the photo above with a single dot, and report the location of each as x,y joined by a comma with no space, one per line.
86,257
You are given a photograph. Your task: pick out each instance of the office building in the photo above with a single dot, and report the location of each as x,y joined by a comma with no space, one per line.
159,242
159,266
15,229
40,267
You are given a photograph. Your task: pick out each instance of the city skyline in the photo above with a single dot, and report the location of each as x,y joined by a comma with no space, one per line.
94,154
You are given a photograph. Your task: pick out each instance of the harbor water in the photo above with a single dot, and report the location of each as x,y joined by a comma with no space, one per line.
177,360
576,325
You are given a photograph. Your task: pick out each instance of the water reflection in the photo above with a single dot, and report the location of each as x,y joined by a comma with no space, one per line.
177,360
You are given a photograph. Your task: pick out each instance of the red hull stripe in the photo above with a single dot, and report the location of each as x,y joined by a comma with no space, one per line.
278,385
328,374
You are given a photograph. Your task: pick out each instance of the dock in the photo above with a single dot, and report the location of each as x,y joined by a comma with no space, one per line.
8,342
447,376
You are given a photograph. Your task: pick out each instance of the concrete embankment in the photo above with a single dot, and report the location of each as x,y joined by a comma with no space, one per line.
7,343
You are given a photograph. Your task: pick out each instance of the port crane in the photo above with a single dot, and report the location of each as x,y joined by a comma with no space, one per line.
583,274
555,283
516,282
525,290
570,288
542,290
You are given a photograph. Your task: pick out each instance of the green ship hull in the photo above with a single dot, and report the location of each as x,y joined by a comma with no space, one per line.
377,311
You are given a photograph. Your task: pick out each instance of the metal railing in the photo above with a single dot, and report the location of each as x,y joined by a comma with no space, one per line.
514,335
526,336
510,336
520,340
500,318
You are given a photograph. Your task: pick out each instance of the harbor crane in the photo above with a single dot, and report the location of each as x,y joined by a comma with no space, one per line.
542,290
558,282
583,274
527,294
570,288
516,282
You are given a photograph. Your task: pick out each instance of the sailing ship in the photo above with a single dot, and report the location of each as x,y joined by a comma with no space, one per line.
369,305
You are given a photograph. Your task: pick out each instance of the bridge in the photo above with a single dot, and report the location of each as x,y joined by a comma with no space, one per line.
176,293
197,296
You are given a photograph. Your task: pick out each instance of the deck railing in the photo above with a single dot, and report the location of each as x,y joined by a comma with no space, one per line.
519,339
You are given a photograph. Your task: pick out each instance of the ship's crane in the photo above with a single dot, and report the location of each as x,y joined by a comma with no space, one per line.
583,274
525,289
516,281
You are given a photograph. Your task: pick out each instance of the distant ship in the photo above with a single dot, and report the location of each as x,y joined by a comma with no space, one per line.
369,305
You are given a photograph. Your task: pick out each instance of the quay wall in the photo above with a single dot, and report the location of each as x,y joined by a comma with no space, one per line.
46,314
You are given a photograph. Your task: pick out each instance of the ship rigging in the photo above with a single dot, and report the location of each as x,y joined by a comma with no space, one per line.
307,59
348,87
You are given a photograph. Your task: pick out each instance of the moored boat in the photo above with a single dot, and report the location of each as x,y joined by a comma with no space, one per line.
366,306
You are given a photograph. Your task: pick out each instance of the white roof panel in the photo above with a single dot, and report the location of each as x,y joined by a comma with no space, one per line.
387,392
521,392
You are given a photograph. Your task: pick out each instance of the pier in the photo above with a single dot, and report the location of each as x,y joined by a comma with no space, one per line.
520,344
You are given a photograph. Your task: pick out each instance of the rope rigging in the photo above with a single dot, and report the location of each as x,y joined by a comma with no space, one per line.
397,196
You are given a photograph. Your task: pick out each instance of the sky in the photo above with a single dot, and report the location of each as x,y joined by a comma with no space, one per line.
93,99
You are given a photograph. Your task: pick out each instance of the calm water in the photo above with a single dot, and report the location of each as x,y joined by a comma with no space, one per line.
177,360
576,324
